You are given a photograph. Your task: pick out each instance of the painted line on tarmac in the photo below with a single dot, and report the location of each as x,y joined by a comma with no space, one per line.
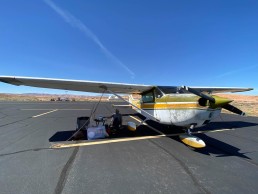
118,140
44,113
199,132
218,130
156,130
98,142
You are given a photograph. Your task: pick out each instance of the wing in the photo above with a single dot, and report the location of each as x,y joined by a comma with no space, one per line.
76,85
213,90
98,87
209,90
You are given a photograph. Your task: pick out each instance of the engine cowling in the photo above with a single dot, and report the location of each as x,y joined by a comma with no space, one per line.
219,102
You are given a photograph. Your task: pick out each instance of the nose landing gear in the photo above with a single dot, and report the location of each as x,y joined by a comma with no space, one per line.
191,140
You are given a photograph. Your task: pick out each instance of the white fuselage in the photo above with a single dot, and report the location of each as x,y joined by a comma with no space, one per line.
184,117
181,110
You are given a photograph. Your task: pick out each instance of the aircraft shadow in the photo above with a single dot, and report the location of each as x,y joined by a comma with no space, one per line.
219,148
213,146
226,124
61,136
122,133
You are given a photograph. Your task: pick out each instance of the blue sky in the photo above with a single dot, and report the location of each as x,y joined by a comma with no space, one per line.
194,43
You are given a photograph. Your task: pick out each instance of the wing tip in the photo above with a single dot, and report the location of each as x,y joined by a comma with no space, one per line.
10,80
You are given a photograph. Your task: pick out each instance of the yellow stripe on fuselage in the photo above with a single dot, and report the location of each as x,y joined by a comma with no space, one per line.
169,106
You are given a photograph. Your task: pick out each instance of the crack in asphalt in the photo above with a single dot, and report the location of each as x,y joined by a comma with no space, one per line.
186,169
65,172
15,122
23,151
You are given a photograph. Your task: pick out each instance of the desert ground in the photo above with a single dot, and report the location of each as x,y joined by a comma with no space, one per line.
48,97
248,104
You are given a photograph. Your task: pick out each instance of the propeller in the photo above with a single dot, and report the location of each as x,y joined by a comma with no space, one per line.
233,109
198,93
215,101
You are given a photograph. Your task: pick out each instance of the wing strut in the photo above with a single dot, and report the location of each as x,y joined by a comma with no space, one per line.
143,112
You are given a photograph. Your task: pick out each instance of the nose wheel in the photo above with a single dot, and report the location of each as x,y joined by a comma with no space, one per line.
191,140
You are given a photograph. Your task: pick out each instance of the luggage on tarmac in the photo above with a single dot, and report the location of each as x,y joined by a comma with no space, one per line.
98,132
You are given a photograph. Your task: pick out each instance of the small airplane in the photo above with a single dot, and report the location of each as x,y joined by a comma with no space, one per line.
182,106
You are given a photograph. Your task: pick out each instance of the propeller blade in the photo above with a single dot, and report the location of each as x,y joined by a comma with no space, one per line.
233,109
216,101
198,93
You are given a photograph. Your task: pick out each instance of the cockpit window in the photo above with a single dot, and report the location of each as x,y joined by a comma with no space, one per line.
148,97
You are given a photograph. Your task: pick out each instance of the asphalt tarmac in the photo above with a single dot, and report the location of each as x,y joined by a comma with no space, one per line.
141,162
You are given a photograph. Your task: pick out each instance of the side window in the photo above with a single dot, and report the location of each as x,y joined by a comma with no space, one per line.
148,97
157,93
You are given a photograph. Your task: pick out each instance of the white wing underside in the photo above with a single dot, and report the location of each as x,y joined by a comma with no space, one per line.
76,85
99,87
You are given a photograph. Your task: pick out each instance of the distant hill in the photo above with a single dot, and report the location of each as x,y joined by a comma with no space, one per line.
248,104
47,97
